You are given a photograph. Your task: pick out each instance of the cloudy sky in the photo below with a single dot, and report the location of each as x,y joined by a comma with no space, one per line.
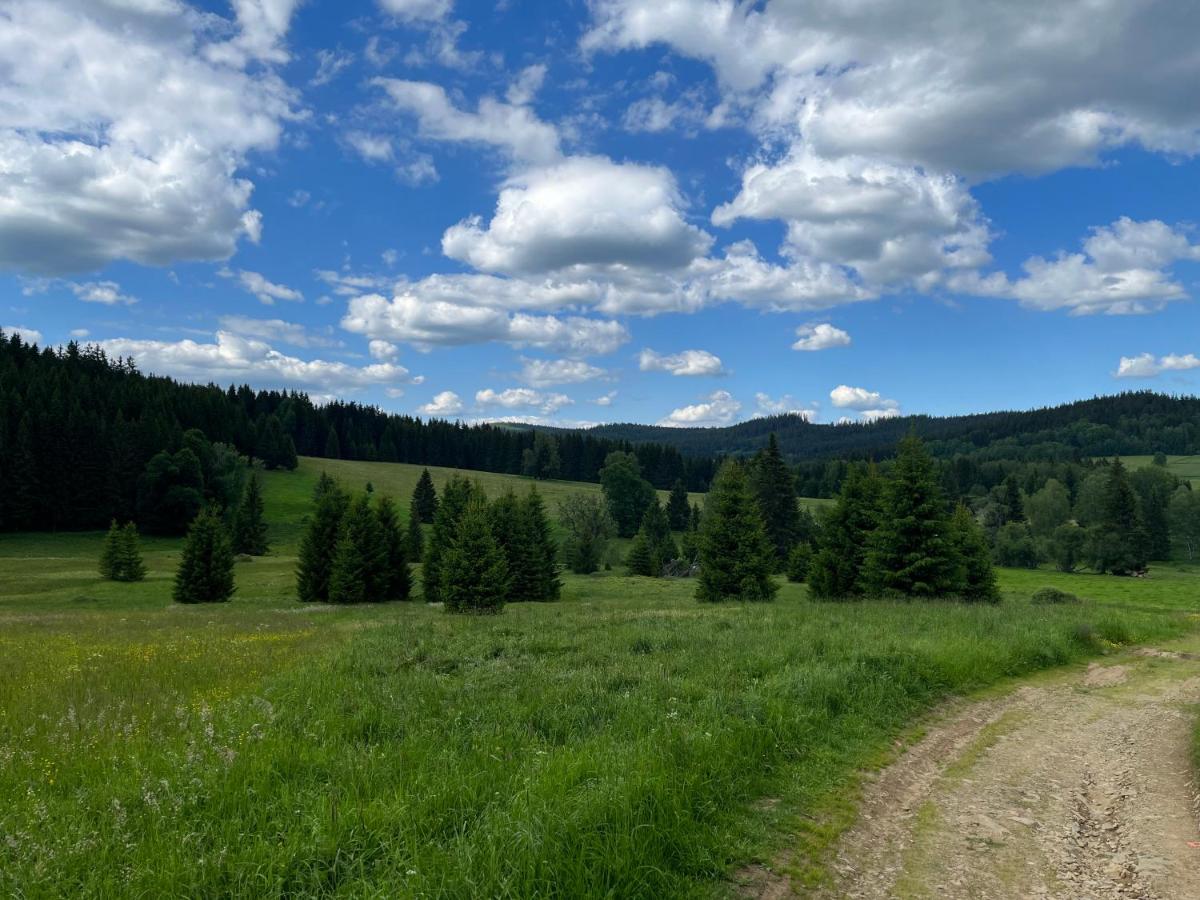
675,211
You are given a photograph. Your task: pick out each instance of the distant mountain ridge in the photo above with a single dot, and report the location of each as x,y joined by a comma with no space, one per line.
1133,422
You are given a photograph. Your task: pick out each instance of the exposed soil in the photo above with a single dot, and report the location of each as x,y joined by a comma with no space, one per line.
1075,785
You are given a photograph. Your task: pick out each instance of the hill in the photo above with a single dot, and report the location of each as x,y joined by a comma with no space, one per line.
1131,423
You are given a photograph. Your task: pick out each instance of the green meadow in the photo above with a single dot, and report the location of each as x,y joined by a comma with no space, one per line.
625,742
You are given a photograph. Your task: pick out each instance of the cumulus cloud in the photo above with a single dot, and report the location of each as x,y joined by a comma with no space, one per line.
289,333
383,350
546,372
28,335
125,127
415,317
687,362
267,292
1123,270
606,399
766,405
105,292
522,398
233,358
447,403
1147,365
515,129
583,212
820,337
870,405
719,408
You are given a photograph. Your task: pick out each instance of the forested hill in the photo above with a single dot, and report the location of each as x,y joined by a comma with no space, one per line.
1139,422
79,431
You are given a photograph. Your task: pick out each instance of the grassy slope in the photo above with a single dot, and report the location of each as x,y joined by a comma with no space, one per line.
615,743
1187,467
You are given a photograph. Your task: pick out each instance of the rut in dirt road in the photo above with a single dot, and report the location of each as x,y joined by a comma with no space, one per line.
1074,786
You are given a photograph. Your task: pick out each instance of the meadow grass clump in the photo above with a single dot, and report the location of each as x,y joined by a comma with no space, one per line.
1047,595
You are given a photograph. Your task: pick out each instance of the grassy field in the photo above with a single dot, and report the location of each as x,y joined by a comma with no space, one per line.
624,742
1187,467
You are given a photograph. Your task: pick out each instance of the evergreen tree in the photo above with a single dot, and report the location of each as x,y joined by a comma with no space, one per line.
1154,487
679,510
276,449
798,562
589,528
976,579
1014,506
626,491
110,555
24,500
542,459
655,534
640,558
694,519
836,567
333,446
131,566
736,556
414,540
249,528
358,572
170,492
1117,543
396,580
318,545
456,495
775,489
473,572
541,574
424,498
205,572
1184,517
910,553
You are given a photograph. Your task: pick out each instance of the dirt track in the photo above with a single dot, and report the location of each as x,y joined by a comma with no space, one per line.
1075,785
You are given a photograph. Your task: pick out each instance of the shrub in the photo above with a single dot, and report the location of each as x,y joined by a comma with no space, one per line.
1048,595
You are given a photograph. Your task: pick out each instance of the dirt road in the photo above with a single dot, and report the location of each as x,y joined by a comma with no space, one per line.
1076,785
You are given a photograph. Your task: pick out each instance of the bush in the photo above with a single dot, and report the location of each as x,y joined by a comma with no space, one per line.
1048,595
1015,547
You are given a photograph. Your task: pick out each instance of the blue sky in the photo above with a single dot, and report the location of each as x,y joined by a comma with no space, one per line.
688,211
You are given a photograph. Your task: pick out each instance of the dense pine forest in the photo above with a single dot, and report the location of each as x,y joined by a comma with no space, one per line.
85,439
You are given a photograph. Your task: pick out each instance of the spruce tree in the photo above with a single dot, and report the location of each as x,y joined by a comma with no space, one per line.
424,499
110,555
473,572
543,555
319,542
249,528
358,573
911,553
679,510
736,556
640,558
1118,542
654,535
775,489
205,573
453,505
414,540
276,449
396,580
976,577
799,559
333,447
1014,506
131,566
836,566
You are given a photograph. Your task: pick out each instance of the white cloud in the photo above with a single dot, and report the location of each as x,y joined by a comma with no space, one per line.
346,284
447,403
79,332
546,372
299,198
514,129
861,399
106,292
522,398
124,128
383,350
266,291
416,317
719,408
330,63
606,400
371,147
687,362
418,10
237,359
1147,365
820,337
1122,270
874,415
745,277
274,330
583,212
28,335
526,85
655,115
765,405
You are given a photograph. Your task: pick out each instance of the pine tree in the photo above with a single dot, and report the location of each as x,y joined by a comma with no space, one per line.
640,558
424,499
110,555
655,534
24,502
543,558
276,449
976,577
205,572
131,564
396,580
333,447
414,540
1118,542
474,574
736,556
836,567
453,505
910,553
249,528
1014,506
775,489
358,573
319,542
679,510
